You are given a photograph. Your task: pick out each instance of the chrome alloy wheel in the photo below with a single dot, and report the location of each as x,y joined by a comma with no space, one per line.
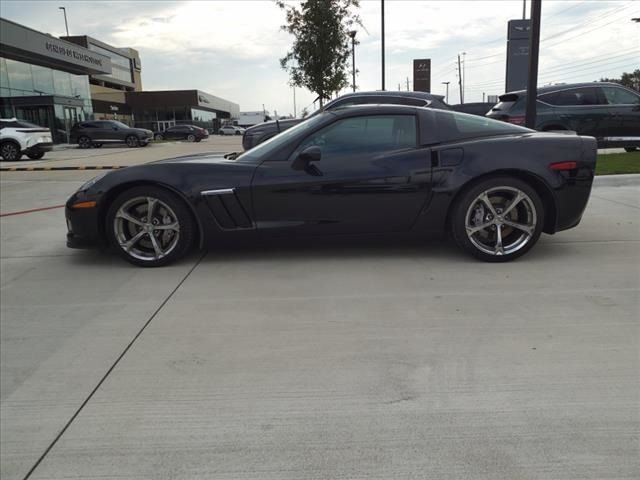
146,228
501,220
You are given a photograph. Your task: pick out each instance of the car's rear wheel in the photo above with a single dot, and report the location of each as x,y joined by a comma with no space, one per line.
150,226
84,142
10,151
97,145
498,219
159,136
131,141
35,155
191,137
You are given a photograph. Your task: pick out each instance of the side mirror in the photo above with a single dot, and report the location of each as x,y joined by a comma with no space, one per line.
305,157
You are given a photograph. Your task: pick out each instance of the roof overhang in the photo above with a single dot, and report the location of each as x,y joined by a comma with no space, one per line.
30,46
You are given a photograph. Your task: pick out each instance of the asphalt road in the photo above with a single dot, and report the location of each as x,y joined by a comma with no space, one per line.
369,360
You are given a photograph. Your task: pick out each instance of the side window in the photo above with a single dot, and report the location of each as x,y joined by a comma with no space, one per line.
88,125
618,96
572,97
364,135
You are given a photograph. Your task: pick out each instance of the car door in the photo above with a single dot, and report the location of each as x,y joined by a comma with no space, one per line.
371,177
624,108
176,133
580,109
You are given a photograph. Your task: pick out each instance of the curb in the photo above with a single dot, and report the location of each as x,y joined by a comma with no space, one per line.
616,180
49,169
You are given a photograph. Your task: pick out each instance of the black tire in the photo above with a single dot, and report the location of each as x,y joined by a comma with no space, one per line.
84,142
158,137
132,141
198,140
631,149
142,252
97,145
191,138
10,151
469,212
35,155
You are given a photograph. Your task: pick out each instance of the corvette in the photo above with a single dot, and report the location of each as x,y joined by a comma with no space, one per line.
495,187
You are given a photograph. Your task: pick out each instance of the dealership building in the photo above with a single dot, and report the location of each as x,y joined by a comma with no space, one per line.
56,82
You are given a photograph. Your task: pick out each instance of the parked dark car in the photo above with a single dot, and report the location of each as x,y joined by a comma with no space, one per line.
264,131
191,133
98,132
607,111
355,170
473,108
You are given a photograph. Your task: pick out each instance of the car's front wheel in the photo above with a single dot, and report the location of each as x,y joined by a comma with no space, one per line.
10,151
150,226
131,141
191,137
498,219
84,142
35,155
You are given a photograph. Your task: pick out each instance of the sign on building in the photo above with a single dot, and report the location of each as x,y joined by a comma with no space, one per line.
422,75
518,32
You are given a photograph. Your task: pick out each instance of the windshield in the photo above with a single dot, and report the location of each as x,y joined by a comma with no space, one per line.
119,124
274,143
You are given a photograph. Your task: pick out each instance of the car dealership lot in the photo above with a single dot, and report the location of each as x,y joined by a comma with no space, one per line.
363,359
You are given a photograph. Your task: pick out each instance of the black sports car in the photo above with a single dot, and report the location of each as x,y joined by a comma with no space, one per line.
360,169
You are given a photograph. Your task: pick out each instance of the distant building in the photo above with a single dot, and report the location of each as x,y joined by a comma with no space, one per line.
247,119
108,90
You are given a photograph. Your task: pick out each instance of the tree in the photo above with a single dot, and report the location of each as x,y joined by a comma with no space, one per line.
631,80
318,59
304,113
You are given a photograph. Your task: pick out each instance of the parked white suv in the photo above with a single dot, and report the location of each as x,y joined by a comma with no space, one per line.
18,138
231,130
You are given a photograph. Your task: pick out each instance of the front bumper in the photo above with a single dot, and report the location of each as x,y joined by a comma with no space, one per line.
39,148
83,228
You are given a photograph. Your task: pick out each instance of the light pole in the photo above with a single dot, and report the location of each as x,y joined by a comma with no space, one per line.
66,25
447,95
534,49
382,17
352,34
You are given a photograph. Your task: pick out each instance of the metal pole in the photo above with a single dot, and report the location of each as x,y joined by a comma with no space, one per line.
295,113
464,57
460,79
66,25
524,9
447,95
534,49
407,84
382,17
352,34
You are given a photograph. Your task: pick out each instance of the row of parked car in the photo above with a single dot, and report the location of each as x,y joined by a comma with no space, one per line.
607,111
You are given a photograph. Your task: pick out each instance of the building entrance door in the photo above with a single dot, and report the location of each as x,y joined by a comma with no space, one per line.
70,119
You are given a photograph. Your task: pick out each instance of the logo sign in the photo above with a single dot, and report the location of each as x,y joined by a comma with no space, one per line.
422,75
65,51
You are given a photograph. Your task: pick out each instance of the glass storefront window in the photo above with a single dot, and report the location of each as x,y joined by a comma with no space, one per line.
62,83
120,65
20,79
42,80
4,79
202,115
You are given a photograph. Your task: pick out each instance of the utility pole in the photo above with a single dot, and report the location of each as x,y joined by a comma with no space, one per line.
382,17
66,25
446,99
398,87
295,114
407,84
460,79
482,97
352,34
464,57
534,50
524,9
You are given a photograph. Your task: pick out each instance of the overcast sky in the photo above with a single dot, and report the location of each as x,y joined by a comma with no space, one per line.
232,48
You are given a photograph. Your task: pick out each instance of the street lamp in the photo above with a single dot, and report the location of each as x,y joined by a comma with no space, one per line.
447,95
66,25
352,34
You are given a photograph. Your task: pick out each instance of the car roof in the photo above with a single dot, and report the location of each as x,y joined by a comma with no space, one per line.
565,86
392,93
375,109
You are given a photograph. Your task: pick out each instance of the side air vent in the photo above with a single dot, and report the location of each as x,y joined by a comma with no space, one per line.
227,209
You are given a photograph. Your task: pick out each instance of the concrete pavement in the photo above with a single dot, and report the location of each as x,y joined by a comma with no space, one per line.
373,359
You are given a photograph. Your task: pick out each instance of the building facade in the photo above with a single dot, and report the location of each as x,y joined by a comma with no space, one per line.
45,80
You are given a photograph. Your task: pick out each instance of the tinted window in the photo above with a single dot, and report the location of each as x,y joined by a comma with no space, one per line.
458,126
370,134
618,96
572,97
90,125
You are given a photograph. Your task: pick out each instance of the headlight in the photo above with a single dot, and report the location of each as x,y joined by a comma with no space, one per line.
90,183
